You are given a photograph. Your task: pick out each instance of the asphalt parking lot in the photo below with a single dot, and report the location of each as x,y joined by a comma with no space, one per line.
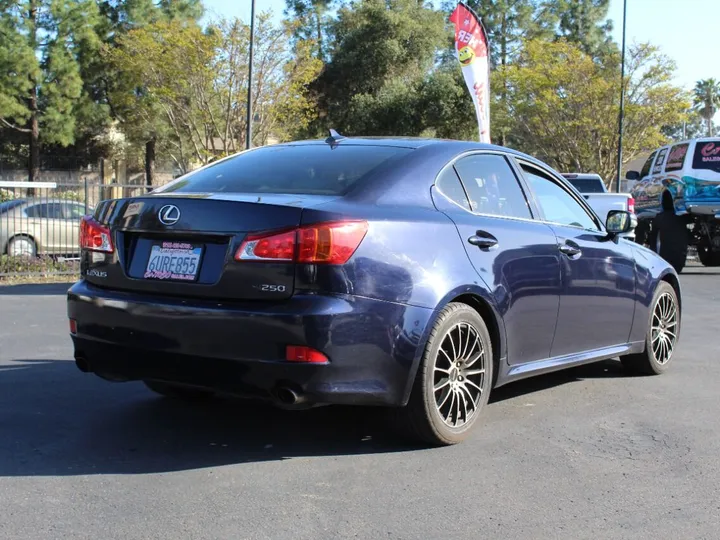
587,453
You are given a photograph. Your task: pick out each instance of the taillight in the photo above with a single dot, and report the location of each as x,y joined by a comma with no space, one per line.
94,236
631,205
321,243
295,353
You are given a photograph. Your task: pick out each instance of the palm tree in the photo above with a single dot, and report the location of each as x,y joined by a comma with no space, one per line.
707,101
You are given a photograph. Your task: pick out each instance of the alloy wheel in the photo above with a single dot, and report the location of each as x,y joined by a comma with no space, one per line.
664,328
459,375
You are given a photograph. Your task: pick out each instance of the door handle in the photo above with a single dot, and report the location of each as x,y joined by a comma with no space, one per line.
483,240
570,250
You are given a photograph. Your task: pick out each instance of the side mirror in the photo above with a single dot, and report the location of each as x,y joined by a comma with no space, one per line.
632,175
620,222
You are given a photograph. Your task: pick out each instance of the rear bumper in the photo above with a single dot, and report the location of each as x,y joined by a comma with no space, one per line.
373,346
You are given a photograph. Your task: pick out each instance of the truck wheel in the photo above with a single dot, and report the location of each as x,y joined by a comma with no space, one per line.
642,232
708,257
669,239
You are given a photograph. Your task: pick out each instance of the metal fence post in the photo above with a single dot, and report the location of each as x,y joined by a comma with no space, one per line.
86,195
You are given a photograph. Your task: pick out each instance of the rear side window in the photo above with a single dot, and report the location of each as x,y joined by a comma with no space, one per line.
9,205
676,159
45,211
646,168
657,168
492,186
320,169
449,185
587,185
707,155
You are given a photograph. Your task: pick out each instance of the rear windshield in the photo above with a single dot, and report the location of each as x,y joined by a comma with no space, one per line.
587,185
707,155
304,169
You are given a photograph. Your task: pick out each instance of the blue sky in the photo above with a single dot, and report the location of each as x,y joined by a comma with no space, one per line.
684,29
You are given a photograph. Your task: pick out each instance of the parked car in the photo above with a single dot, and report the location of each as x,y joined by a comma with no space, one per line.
596,194
31,227
677,196
407,273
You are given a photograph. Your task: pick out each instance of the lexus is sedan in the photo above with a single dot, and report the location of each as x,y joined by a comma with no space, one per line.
412,274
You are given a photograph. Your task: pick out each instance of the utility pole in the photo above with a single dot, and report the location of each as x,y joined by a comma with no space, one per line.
248,134
622,100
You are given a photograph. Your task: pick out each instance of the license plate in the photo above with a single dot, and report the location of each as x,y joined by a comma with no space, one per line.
174,261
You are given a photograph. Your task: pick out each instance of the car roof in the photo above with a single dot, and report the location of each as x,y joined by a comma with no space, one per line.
414,143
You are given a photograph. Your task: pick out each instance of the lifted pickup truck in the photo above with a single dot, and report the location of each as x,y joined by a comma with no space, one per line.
592,187
678,201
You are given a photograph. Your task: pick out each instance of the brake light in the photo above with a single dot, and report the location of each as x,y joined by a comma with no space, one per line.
321,243
94,236
631,205
294,353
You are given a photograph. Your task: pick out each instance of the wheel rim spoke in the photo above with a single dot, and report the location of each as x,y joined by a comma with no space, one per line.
664,328
457,390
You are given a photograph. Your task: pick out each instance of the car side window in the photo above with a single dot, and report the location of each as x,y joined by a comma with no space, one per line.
646,167
676,159
657,168
492,186
73,211
556,203
45,211
449,185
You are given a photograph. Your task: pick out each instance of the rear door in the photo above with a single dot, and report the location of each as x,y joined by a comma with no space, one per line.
46,223
515,256
597,301
72,212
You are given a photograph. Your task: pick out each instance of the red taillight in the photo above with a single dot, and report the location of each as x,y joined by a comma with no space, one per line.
73,326
326,243
94,236
295,353
631,205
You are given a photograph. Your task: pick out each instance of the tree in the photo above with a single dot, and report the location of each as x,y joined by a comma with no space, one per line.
187,88
310,20
706,101
584,22
381,49
41,87
564,105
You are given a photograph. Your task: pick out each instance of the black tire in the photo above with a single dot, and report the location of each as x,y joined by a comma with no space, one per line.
669,239
708,257
22,243
649,362
423,415
177,391
642,233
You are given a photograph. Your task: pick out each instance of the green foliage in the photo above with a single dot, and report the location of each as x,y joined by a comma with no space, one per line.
563,105
310,20
39,266
584,22
43,42
381,49
706,101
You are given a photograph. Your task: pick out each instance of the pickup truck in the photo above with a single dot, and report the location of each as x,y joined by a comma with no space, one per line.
592,187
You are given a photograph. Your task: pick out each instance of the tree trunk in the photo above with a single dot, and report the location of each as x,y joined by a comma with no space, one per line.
503,63
149,162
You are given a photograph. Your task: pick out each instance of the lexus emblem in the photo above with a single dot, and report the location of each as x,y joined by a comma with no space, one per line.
169,214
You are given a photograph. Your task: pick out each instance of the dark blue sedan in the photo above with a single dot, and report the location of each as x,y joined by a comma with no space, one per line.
409,273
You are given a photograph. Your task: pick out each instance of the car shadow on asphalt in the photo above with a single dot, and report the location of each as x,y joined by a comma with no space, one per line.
35,289
56,421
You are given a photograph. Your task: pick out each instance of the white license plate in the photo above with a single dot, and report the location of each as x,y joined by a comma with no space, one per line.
174,261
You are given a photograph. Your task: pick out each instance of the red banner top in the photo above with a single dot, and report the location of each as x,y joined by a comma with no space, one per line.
468,31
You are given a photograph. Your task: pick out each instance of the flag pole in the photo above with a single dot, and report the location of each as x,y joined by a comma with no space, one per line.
621,116
248,127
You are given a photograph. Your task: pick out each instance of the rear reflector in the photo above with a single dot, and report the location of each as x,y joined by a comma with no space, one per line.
94,236
73,326
631,205
321,243
295,353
